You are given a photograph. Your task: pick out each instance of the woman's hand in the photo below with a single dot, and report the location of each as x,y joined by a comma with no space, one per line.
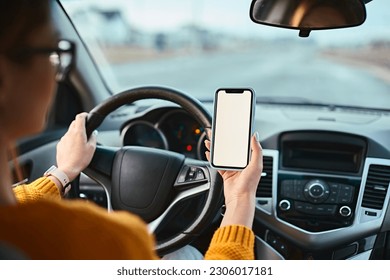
240,187
75,151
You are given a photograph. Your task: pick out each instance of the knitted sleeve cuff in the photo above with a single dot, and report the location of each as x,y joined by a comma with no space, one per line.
234,234
42,187
232,242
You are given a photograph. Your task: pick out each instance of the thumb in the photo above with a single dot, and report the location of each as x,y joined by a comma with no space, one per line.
93,138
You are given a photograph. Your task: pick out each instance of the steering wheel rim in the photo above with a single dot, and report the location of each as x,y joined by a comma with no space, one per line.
187,102
108,176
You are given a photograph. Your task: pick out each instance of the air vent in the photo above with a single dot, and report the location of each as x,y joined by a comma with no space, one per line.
377,183
265,186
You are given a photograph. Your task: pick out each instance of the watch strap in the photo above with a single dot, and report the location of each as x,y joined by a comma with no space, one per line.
60,175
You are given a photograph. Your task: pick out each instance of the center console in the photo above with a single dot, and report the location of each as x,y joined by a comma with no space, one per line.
319,179
316,203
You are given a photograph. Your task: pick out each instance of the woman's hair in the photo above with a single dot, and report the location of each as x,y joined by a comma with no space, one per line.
18,18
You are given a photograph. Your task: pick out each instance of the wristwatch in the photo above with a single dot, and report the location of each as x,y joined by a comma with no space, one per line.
61,176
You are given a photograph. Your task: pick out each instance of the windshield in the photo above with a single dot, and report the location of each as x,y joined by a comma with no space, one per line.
198,46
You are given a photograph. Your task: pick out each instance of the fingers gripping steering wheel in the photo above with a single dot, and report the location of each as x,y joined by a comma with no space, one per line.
150,182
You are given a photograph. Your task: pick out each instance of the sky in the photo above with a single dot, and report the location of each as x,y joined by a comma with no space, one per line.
233,16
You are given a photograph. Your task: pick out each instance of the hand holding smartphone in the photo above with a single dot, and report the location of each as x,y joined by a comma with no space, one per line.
234,110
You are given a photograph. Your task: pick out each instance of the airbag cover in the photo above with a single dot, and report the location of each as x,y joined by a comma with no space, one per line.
143,179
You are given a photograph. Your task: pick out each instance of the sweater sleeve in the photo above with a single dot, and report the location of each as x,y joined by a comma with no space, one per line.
41,188
233,242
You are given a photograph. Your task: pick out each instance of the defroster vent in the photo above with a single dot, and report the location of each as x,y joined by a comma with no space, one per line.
377,184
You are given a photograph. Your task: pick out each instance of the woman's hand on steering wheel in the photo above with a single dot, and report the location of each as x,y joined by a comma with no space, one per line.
75,150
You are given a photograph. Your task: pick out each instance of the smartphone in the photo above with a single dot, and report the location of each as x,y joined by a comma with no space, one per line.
234,110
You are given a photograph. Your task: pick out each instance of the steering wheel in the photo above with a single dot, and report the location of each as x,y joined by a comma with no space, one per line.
149,182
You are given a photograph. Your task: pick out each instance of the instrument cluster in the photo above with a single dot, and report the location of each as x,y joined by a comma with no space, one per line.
174,130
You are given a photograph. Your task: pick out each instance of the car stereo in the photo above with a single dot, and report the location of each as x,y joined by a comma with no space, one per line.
316,204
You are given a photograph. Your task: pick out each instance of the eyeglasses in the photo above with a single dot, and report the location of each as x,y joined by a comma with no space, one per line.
60,57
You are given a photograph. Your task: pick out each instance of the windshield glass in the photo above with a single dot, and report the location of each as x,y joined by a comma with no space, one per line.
198,46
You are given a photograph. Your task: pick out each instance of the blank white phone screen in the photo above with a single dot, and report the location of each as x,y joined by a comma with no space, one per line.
232,129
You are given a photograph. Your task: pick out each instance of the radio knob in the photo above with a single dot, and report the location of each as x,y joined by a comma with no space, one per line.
345,211
316,191
284,205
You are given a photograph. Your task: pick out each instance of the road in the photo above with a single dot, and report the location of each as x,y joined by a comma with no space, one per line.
278,70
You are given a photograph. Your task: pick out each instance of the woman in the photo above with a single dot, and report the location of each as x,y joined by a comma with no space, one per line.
32,219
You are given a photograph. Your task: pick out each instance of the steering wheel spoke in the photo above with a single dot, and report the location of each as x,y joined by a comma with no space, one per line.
100,169
192,180
182,195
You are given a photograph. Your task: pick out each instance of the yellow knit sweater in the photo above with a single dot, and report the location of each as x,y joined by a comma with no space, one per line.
45,227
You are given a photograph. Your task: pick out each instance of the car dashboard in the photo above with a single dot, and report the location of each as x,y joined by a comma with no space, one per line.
323,191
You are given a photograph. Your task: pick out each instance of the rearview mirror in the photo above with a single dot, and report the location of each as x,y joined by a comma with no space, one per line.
307,15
